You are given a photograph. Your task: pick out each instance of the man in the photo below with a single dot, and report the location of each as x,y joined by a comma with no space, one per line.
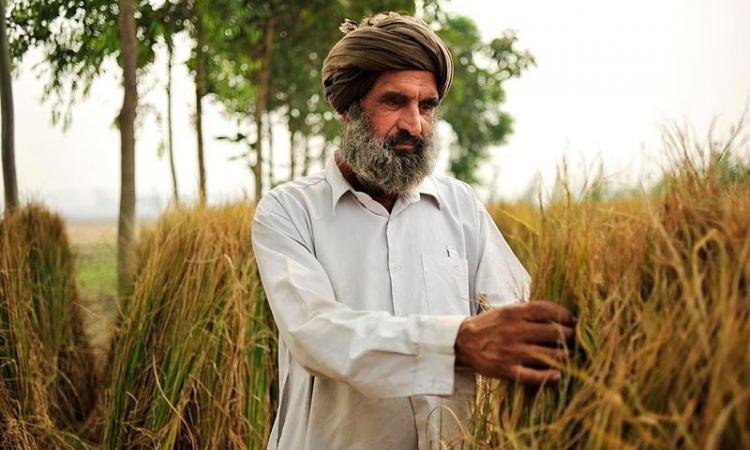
374,269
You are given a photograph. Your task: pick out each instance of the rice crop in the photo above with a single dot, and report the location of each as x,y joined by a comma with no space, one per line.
659,283
193,358
47,376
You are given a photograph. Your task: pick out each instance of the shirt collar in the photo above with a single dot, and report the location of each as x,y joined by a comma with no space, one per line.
340,186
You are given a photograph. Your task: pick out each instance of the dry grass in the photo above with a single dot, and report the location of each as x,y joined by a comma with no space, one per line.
659,284
47,388
193,360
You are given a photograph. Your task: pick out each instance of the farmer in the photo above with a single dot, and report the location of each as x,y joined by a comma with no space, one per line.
376,270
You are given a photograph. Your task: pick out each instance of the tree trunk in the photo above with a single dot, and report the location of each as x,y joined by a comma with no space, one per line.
261,103
125,230
269,133
6,110
200,92
493,186
170,130
306,164
292,153
323,153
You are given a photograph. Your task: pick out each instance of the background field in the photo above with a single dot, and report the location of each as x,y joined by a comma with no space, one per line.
94,244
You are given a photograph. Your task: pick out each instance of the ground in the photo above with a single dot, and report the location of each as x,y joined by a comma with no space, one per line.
94,246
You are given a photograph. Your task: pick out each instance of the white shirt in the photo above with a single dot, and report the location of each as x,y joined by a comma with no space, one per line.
368,305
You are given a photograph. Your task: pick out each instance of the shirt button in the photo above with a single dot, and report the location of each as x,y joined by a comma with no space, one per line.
395,267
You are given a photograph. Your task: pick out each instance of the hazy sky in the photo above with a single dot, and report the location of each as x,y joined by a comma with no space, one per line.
607,75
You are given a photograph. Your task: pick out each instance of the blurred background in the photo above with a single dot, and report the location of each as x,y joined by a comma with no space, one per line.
588,81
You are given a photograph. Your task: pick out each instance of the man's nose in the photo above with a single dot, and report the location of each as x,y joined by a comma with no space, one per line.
409,120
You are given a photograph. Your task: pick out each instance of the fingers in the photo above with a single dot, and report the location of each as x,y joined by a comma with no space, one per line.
527,375
544,311
547,333
538,356
519,342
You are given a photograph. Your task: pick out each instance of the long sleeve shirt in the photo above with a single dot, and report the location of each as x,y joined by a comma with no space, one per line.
368,305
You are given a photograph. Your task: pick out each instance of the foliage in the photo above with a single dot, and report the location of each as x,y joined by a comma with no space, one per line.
78,38
473,105
303,33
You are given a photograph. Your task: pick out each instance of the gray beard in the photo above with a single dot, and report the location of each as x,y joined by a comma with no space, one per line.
377,164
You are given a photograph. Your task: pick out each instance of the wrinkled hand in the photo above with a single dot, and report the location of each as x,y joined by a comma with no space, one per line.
516,342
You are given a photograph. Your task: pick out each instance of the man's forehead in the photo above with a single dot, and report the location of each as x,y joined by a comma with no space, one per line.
421,82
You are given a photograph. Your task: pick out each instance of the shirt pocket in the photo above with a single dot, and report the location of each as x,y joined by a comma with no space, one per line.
446,281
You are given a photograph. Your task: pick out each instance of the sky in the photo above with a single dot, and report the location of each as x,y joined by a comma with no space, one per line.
608,76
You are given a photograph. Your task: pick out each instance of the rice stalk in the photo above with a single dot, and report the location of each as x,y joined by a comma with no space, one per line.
659,284
193,358
48,385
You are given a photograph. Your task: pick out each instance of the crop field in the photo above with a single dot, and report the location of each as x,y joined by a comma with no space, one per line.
659,280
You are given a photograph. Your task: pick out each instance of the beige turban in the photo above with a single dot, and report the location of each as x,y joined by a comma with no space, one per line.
387,41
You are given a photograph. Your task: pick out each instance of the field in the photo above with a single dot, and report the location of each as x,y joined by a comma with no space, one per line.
659,281
94,244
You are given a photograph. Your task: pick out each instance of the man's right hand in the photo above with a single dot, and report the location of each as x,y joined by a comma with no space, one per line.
516,342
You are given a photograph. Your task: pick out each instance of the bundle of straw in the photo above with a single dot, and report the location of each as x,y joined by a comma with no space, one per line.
47,381
193,359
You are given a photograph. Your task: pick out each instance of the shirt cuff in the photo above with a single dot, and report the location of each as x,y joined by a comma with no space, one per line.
437,355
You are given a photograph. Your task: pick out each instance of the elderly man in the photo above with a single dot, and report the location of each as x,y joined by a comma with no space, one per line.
374,268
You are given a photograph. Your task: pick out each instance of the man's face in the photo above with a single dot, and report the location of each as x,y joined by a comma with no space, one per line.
387,138
402,101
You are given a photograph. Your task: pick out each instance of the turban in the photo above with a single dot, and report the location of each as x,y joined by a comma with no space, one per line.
387,41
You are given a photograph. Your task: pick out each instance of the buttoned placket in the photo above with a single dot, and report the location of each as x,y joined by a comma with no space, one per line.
403,303
397,274
395,261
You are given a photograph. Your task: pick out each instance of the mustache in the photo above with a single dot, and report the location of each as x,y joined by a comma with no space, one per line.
404,137
376,161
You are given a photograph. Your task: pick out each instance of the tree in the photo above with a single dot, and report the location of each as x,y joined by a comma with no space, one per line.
165,121
199,56
473,105
267,57
77,38
242,45
262,81
172,20
126,222
170,120
6,110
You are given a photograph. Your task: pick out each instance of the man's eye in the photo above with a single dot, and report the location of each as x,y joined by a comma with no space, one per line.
390,103
427,107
